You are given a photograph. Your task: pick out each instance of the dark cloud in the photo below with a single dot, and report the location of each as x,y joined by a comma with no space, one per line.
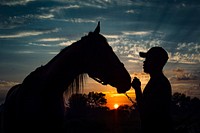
181,74
179,70
4,87
4,83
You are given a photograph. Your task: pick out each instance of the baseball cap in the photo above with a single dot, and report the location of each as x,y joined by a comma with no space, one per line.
156,53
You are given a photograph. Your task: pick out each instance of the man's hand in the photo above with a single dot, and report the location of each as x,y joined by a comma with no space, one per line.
136,84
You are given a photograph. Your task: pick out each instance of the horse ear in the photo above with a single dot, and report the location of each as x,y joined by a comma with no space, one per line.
97,30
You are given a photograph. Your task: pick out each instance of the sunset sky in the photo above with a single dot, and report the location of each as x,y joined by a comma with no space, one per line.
33,31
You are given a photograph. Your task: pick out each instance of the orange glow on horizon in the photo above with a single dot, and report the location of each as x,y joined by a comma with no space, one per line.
114,98
111,93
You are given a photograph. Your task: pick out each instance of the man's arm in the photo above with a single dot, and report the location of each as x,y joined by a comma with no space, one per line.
136,84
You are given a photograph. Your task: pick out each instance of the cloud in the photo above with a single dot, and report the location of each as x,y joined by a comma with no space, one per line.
133,60
94,3
25,52
4,83
185,58
45,16
59,8
186,76
51,39
80,20
41,44
15,2
4,87
182,74
67,43
178,70
102,4
129,46
141,33
30,13
53,53
129,43
27,33
185,81
112,36
130,11
22,34
51,42
189,47
11,22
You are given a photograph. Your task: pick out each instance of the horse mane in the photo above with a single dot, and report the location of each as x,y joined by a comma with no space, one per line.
77,85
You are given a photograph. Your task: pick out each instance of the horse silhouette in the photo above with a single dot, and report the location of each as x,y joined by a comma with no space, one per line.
36,105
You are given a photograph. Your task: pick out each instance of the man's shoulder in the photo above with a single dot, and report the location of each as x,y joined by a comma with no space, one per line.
161,82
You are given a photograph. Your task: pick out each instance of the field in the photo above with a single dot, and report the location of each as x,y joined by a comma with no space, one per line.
103,121
185,118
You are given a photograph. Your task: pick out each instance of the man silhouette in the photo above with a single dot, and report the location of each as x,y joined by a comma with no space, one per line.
154,102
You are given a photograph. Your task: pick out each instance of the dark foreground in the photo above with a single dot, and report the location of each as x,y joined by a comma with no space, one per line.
125,119
104,121
185,114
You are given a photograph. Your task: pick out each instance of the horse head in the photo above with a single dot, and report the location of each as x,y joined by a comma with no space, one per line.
103,65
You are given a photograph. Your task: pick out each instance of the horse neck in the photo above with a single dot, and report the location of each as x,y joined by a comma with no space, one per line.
66,66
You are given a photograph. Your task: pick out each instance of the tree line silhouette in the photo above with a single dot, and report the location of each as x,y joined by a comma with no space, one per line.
88,112
80,103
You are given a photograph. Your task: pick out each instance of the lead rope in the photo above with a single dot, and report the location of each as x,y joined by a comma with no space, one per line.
129,98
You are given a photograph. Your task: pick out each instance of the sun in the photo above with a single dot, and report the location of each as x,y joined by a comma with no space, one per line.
116,106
